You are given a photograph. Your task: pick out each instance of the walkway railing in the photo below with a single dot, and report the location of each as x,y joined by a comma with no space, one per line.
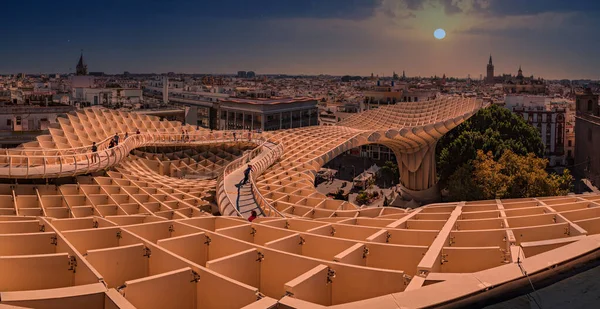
55,163
226,205
258,168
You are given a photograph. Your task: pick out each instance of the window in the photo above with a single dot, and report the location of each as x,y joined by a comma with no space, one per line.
8,122
19,121
590,105
570,143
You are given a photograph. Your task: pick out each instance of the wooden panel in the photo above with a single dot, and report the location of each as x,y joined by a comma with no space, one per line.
168,290
35,272
119,264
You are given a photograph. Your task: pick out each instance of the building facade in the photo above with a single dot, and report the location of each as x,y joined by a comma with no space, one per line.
267,114
549,120
587,137
30,118
395,93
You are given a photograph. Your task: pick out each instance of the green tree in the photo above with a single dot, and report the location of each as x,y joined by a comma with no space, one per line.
494,129
461,185
339,195
362,198
390,172
511,176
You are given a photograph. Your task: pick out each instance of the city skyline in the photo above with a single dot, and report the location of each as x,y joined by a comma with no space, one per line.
549,39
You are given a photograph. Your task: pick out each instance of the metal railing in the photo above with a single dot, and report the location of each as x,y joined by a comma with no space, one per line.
55,163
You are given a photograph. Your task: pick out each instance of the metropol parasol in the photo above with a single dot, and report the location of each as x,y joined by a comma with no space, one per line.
131,226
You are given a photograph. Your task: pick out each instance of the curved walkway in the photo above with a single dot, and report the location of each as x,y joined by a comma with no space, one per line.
43,163
240,199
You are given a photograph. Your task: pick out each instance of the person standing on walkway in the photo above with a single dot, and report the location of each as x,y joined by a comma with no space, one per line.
249,135
247,174
94,152
111,144
253,215
137,131
234,138
116,139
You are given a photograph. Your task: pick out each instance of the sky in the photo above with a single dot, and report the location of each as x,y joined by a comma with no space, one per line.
549,38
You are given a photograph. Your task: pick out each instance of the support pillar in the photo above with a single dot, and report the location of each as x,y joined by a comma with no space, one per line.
227,120
418,178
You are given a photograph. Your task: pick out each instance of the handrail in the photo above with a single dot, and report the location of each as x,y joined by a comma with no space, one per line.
258,197
234,165
106,141
34,165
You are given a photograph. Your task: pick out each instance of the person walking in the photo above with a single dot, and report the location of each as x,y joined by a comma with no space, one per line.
253,215
94,152
247,174
234,138
116,139
111,144
137,131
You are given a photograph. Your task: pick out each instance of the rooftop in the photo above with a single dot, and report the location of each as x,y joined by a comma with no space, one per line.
269,101
131,226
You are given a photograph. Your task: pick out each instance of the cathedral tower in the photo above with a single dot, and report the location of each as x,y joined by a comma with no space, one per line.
81,68
490,72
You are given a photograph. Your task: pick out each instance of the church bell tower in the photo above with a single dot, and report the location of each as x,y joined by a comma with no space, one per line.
81,68
490,72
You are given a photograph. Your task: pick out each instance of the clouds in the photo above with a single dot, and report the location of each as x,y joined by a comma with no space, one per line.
541,22
532,7
465,6
305,36
496,8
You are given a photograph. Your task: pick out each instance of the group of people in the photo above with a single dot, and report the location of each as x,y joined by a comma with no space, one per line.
185,135
249,136
114,141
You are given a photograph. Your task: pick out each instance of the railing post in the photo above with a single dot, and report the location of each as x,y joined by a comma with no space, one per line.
75,170
87,157
60,165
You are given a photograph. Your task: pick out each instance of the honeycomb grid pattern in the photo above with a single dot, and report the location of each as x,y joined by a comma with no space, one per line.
141,235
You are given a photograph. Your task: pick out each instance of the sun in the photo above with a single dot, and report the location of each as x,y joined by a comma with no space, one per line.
439,34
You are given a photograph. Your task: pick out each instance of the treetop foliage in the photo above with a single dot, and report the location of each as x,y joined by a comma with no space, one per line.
494,129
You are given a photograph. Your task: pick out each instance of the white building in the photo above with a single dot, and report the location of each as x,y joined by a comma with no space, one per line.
548,119
267,114
30,118
107,96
